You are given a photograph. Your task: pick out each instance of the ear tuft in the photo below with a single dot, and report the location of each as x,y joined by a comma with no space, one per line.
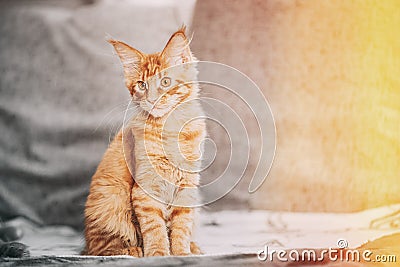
130,59
177,49
182,29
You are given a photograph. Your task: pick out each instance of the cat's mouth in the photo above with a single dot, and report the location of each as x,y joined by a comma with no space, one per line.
156,110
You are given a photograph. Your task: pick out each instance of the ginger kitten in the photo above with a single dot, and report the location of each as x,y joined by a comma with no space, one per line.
147,213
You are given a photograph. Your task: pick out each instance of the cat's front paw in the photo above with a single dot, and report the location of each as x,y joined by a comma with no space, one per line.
182,253
133,251
156,253
195,249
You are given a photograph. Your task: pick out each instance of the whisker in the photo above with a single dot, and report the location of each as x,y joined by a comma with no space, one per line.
108,114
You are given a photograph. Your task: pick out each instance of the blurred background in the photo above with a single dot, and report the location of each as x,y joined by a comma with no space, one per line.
329,69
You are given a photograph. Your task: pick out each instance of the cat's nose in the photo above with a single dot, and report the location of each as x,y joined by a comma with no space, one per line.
151,96
152,101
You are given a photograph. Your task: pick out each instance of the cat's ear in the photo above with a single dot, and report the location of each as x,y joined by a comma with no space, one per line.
131,60
177,50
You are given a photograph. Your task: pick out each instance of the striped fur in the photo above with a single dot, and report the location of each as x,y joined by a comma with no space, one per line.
120,215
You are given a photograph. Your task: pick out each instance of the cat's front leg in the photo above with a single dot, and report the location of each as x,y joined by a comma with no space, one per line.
181,227
150,216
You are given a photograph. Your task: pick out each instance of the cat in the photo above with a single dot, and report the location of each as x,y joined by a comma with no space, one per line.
122,213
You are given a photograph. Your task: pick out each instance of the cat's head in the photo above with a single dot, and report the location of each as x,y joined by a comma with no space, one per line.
161,81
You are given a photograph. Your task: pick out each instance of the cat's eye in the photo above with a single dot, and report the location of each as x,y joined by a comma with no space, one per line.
142,85
165,82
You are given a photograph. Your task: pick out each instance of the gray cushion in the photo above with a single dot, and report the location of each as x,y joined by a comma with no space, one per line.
62,96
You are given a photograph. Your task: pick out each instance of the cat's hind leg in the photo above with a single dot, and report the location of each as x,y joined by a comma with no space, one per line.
111,246
109,228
